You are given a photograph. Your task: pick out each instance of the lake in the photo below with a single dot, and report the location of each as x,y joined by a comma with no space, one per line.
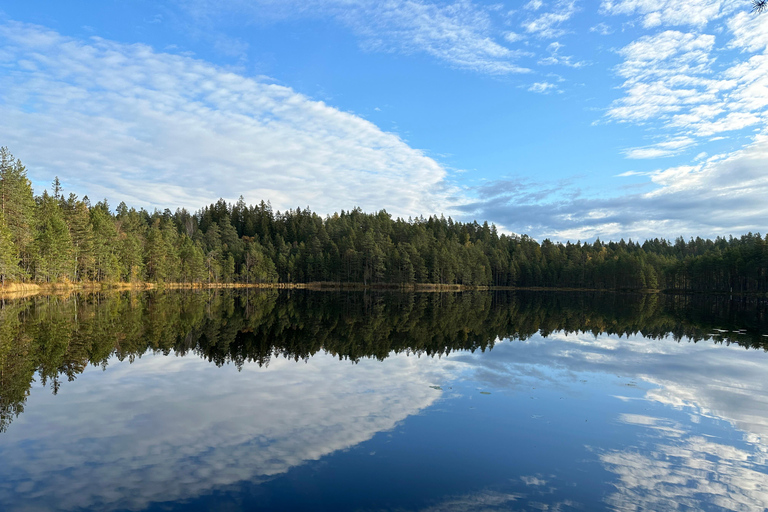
298,400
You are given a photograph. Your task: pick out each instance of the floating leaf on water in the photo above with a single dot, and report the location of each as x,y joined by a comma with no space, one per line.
484,393
436,387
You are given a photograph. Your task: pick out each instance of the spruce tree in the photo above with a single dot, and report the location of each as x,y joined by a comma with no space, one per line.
9,258
17,204
78,221
52,244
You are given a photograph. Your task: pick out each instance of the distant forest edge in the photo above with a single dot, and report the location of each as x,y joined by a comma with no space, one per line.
53,238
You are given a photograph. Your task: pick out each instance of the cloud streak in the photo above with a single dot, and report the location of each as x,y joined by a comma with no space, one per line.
460,33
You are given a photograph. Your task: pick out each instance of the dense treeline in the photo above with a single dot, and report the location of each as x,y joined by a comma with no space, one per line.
57,339
53,238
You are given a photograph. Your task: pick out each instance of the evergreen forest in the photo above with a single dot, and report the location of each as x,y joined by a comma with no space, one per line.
59,238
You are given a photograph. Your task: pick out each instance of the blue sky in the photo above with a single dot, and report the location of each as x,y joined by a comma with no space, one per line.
560,119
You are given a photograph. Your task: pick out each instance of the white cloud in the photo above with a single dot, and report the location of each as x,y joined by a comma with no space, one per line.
664,74
749,31
154,129
682,81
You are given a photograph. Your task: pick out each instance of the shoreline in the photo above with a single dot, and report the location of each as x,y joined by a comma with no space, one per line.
24,290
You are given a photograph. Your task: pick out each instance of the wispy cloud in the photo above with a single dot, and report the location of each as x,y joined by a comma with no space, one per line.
551,24
460,33
671,12
662,149
154,129
602,28
557,58
542,87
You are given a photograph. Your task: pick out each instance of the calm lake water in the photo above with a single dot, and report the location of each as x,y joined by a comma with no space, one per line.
383,401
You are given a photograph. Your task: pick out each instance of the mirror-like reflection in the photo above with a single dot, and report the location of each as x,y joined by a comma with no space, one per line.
247,400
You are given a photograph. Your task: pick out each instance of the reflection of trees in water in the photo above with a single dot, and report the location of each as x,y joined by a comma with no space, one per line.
57,338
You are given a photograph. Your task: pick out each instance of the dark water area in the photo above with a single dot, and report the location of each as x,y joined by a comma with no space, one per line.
266,400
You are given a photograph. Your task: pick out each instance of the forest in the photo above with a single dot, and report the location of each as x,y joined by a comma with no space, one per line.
60,238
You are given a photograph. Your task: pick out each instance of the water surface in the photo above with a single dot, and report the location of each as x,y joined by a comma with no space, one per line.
355,401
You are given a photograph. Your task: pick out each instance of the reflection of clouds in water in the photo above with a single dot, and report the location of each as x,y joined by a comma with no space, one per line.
168,428
683,473
679,470
481,501
533,480
725,382
488,500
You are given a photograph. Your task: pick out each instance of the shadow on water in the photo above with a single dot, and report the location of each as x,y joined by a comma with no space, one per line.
56,339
